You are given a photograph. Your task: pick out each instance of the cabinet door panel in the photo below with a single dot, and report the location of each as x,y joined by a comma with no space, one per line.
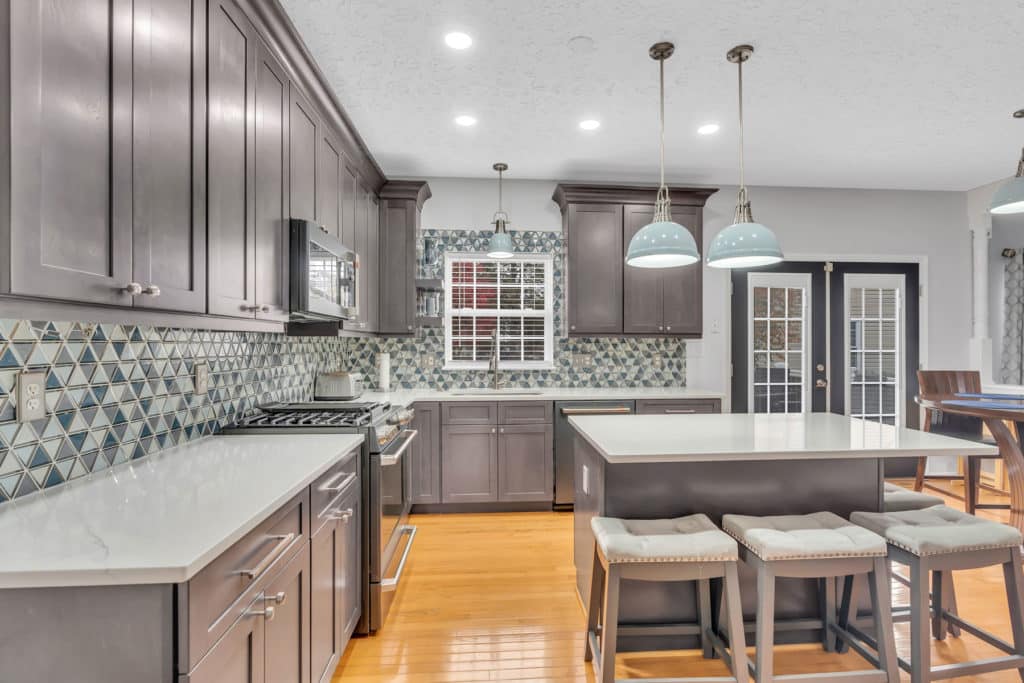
683,293
287,634
238,656
325,586
469,464
231,56
351,565
595,269
398,267
271,186
360,243
372,265
349,208
168,154
302,136
70,141
525,463
328,183
426,454
641,287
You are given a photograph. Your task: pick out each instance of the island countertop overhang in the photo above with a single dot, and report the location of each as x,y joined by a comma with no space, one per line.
623,439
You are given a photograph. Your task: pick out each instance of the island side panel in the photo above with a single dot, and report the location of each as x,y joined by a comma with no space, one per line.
588,482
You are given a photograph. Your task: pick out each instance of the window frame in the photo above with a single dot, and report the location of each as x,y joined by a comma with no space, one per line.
548,315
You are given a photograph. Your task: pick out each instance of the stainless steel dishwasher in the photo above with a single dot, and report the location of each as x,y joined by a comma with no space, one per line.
564,465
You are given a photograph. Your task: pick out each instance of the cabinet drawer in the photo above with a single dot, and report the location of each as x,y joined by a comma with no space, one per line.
219,594
678,406
524,412
469,413
327,488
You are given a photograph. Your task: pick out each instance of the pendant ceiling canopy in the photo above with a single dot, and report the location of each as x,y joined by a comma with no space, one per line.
662,243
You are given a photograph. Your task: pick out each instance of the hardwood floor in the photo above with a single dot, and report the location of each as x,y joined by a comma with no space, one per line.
491,597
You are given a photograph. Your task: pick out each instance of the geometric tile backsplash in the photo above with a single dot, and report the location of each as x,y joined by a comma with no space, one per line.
116,393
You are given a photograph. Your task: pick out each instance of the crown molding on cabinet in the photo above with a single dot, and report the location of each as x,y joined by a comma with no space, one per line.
566,193
409,190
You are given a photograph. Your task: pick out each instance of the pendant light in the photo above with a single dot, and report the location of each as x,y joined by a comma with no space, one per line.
501,243
744,244
1009,198
663,243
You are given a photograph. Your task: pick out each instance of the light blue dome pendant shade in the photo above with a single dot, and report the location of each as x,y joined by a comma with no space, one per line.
663,243
745,243
500,245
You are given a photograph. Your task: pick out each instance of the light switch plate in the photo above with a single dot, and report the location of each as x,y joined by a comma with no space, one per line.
201,380
31,396
585,484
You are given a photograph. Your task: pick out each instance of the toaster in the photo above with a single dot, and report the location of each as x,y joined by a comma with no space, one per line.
338,386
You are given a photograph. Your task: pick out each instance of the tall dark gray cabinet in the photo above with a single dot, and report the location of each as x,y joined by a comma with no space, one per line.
401,202
608,298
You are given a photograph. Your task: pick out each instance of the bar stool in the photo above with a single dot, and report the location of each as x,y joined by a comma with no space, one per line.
941,540
683,549
824,546
897,499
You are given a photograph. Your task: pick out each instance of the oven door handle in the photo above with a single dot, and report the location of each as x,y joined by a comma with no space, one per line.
388,459
389,585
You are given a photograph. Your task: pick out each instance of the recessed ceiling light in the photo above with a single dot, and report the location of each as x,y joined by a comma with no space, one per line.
465,120
708,129
457,40
590,124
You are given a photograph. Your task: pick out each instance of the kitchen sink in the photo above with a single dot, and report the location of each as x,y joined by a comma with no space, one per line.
496,392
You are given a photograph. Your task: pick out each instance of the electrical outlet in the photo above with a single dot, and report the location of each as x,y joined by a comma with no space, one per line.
582,360
31,396
657,360
201,379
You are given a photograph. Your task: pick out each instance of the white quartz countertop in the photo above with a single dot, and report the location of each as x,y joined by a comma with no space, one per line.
808,436
163,518
406,397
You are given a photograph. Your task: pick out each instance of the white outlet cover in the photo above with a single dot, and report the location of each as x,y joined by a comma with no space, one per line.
201,378
31,396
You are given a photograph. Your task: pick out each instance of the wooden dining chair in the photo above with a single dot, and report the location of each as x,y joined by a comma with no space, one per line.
944,383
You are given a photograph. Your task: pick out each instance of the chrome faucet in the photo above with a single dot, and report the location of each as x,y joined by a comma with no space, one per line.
493,366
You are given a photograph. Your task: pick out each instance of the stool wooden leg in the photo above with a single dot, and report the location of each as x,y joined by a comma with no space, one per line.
881,607
949,602
1014,579
922,464
594,604
734,621
848,608
704,616
765,639
938,593
920,633
827,603
610,624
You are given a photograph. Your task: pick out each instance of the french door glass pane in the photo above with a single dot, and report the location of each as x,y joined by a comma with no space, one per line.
778,349
874,322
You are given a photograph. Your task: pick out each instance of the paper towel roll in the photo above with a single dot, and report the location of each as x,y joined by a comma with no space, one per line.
384,368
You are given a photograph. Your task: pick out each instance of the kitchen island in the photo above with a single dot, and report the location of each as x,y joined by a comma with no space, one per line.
663,466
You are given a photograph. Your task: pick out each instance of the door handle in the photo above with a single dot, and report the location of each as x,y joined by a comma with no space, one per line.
820,383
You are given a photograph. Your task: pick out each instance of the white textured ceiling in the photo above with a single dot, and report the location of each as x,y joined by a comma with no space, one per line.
910,94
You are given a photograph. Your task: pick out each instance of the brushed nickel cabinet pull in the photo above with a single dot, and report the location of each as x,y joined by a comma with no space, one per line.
283,541
151,290
133,288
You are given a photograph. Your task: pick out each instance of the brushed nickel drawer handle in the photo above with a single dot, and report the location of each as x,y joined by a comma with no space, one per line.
334,488
283,541
267,613
278,598
624,410
342,515
680,411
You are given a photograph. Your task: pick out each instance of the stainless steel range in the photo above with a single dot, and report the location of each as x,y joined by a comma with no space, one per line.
387,491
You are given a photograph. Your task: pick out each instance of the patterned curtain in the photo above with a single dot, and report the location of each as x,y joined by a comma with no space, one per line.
1013,318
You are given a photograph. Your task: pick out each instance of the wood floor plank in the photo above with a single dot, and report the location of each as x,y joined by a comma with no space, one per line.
492,597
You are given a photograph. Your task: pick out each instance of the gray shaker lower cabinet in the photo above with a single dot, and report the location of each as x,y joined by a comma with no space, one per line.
286,658
323,607
525,463
426,454
238,655
469,462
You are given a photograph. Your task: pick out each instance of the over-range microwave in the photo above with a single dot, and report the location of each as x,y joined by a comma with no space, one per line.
323,274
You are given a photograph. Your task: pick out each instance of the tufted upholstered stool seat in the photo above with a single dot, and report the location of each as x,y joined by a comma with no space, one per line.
825,546
682,549
941,540
897,499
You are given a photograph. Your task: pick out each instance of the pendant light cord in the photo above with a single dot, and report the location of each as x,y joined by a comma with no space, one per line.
739,66
743,214
662,205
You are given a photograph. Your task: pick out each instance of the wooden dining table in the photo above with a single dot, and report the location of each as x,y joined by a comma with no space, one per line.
998,412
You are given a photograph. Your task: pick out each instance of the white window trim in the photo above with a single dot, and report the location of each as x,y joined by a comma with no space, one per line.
878,281
549,332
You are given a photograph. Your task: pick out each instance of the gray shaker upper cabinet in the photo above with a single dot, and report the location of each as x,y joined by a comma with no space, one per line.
231,67
401,202
168,154
329,169
70,135
271,181
606,297
302,136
